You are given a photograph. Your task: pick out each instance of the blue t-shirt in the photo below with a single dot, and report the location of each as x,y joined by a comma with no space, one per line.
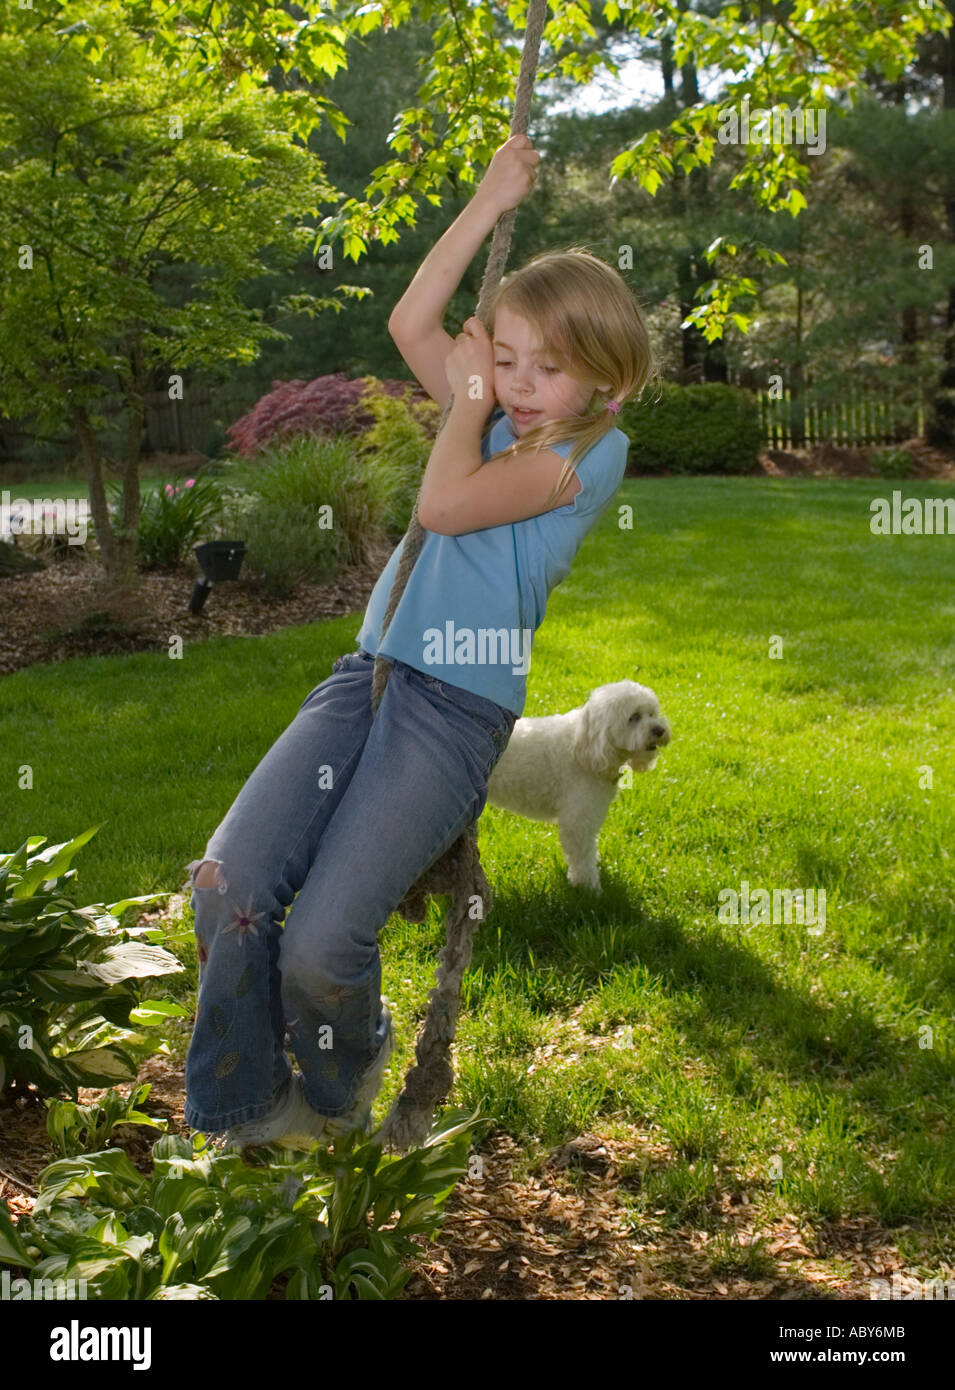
473,602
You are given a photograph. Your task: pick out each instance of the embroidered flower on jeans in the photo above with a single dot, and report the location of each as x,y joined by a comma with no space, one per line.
331,1003
243,922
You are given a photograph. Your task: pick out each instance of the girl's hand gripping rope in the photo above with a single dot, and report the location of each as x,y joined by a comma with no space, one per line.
511,173
470,368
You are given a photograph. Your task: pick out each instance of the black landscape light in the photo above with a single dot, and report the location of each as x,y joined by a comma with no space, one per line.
219,560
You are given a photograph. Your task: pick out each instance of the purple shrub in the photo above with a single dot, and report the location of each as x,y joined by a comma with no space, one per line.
322,406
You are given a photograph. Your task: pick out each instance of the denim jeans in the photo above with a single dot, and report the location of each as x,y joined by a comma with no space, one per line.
341,816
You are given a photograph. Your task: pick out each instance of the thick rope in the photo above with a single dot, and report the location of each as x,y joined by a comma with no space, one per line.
458,871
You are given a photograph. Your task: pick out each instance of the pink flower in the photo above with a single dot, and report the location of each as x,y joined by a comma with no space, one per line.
169,489
189,482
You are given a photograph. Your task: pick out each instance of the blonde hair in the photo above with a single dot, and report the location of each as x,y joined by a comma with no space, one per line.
590,324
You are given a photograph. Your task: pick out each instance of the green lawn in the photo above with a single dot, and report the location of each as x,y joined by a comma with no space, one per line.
740,1046
74,486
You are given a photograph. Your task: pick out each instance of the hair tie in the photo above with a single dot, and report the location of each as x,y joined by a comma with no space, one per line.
614,406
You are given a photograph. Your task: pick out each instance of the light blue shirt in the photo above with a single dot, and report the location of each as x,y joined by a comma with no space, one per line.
473,602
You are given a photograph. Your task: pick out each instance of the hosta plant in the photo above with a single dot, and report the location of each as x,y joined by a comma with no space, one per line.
79,1129
68,977
336,1224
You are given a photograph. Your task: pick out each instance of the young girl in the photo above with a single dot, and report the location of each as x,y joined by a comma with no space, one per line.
346,810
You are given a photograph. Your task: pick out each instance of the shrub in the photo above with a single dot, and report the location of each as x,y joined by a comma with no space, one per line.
893,463
329,404
67,977
303,509
206,1225
711,428
172,519
284,547
397,448
15,562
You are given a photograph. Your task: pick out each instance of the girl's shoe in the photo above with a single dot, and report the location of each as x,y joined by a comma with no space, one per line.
291,1123
359,1116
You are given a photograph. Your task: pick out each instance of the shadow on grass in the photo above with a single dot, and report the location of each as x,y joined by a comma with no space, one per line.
557,958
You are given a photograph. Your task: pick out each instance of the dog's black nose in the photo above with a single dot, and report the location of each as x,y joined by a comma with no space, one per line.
657,730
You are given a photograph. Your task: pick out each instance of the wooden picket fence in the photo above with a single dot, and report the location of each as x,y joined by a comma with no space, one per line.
859,416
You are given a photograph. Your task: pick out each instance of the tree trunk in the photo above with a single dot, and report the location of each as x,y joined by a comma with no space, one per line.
691,338
120,580
797,378
117,547
689,87
666,64
940,426
908,320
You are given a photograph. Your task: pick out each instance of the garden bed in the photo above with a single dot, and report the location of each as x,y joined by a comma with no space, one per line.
58,613
561,1233
844,461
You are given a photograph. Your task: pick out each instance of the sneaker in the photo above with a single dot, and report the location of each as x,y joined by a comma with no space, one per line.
359,1116
292,1123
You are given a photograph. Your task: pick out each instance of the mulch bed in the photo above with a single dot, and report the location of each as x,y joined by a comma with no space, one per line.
842,461
561,1233
46,613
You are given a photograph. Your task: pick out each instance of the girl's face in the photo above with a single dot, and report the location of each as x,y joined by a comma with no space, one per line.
525,376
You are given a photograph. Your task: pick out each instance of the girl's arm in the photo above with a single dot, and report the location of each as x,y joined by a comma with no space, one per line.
421,308
416,321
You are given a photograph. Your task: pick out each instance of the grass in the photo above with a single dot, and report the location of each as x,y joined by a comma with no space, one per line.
814,1071
77,486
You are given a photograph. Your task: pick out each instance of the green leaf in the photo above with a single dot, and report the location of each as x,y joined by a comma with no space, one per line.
13,1251
64,986
74,1177
132,960
413,1214
172,1244
171,1147
153,1011
91,1260
453,1123
101,1066
52,862
118,908
365,1270
110,1230
171,1292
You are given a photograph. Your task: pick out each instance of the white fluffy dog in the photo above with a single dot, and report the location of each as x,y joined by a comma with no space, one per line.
564,767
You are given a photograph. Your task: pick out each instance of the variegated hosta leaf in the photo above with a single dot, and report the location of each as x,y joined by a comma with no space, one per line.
132,960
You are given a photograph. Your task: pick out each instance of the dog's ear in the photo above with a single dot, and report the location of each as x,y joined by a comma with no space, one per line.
582,735
593,746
